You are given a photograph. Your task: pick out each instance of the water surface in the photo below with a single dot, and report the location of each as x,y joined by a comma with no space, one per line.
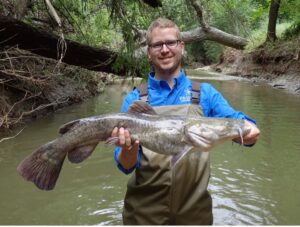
249,186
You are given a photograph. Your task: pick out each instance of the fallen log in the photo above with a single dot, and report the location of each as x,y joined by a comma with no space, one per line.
39,41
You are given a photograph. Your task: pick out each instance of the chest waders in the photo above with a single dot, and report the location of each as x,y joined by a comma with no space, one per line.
160,195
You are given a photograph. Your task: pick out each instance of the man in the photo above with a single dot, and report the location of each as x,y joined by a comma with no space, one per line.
157,193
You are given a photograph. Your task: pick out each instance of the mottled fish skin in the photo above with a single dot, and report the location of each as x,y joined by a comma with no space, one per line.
168,135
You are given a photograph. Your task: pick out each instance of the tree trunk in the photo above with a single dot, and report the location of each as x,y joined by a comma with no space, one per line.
38,41
273,14
22,8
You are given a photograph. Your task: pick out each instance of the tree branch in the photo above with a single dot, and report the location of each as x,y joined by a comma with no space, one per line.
53,13
199,11
11,137
214,34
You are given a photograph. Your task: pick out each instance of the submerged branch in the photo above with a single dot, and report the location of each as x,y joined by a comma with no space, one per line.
11,137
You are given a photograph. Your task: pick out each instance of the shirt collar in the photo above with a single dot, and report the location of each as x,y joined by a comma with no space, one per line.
156,84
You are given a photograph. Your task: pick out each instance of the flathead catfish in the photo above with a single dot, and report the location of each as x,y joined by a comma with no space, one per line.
166,134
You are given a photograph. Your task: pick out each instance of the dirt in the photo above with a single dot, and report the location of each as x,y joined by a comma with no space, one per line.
32,87
277,65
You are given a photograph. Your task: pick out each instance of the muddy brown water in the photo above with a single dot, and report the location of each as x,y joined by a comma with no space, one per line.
256,186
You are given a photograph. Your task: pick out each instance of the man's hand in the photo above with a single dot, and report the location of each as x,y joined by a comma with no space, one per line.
129,149
251,137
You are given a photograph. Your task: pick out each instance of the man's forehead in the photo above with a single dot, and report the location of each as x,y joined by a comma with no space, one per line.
158,34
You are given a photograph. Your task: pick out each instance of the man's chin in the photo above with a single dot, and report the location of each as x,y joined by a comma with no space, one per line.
168,70
167,66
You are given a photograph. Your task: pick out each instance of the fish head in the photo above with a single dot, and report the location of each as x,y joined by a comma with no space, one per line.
207,132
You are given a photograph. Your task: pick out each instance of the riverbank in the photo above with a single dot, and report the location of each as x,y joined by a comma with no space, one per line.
278,66
33,86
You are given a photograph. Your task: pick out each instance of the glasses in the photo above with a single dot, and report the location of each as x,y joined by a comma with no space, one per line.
171,44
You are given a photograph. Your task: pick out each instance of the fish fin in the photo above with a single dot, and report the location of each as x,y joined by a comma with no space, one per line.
79,154
111,140
194,111
176,158
42,172
67,127
140,106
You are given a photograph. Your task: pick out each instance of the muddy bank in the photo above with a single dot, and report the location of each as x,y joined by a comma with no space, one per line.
278,66
32,87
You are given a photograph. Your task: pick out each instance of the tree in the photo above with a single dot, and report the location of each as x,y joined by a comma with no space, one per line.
65,17
273,14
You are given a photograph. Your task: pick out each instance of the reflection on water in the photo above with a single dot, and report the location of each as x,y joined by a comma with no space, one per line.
256,186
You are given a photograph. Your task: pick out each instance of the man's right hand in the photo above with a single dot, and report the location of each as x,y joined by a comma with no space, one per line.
129,149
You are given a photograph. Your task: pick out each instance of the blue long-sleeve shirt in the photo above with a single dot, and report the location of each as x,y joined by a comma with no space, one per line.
211,101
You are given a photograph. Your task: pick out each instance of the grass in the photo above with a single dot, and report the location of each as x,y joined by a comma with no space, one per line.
259,36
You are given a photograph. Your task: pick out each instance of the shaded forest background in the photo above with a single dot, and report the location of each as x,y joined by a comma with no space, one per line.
57,52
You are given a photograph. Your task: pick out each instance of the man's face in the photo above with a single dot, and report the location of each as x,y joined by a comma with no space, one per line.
165,51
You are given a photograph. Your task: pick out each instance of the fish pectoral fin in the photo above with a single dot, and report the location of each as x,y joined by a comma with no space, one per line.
111,140
176,158
140,106
79,154
194,111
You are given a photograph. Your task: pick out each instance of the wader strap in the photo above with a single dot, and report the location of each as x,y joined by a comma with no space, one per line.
195,97
143,89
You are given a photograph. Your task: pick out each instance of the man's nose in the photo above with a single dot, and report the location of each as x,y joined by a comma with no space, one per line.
164,48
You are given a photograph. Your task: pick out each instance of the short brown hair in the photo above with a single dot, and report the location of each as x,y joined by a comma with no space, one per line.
162,22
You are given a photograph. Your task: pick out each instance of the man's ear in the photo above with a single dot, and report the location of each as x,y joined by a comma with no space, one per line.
148,54
182,46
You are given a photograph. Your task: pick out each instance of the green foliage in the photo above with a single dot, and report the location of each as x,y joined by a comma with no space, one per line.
292,31
89,22
289,10
213,50
100,22
258,36
126,60
133,67
205,52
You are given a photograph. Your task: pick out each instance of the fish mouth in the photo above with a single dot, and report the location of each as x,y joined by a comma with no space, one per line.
199,141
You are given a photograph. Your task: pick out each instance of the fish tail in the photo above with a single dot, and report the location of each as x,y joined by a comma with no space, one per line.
39,169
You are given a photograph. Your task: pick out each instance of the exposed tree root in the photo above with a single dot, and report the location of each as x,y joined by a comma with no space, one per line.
32,86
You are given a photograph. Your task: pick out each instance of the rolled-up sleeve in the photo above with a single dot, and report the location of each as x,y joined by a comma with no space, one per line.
215,105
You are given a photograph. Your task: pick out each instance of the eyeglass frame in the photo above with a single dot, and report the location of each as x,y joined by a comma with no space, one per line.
161,44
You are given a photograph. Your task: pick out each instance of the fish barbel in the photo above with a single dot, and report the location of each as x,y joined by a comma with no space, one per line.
165,134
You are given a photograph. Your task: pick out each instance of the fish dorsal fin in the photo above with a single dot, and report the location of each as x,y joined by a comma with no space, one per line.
67,127
140,106
194,111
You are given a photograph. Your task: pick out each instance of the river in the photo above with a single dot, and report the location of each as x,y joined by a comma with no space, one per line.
249,186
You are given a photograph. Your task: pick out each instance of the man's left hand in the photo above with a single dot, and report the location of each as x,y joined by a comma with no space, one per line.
251,137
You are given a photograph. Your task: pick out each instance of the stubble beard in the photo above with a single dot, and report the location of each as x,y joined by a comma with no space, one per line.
167,72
